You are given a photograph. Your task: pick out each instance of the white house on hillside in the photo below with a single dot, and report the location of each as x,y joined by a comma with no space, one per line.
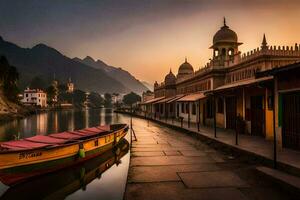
34,97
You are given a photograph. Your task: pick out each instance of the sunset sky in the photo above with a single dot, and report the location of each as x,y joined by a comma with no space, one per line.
146,37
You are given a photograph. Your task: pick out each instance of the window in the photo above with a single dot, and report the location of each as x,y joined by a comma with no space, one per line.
220,105
26,95
182,107
194,109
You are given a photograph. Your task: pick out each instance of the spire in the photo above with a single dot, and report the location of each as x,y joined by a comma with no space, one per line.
185,59
224,23
170,70
264,42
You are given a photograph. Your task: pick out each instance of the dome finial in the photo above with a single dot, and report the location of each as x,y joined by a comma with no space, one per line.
224,21
170,70
185,59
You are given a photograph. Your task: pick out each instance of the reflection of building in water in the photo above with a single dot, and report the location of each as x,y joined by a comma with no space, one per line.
55,122
71,121
41,124
87,116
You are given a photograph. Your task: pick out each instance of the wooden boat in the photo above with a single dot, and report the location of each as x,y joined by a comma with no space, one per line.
60,184
22,159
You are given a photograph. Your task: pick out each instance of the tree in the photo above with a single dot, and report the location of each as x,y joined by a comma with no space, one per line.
9,77
51,92
107,100
95,99
131,98
79,97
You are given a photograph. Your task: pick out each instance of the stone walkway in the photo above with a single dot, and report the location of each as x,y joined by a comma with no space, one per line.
254,144
166,164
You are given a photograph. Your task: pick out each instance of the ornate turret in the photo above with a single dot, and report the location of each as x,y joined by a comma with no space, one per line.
225,45
170,79
185,70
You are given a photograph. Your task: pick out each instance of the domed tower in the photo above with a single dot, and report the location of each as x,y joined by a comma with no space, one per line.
225,45
185,70
170,84
170,79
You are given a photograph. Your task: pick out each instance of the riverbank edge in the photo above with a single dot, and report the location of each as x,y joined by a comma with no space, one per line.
234,150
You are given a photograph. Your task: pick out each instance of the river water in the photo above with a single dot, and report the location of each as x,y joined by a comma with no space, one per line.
103,177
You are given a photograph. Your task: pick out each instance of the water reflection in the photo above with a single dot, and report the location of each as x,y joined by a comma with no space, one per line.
69,183
56,121
65,182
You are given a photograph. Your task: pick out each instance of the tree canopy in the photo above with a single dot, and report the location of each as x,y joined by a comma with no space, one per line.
107,100
9,77
131,98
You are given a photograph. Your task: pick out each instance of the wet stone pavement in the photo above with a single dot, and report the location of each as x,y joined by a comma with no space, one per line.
167,164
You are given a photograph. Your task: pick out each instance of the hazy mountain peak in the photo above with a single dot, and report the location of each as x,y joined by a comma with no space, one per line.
89,59
45,48
100,62
117,73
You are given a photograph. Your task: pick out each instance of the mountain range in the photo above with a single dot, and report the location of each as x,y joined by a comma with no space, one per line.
87,74
119,74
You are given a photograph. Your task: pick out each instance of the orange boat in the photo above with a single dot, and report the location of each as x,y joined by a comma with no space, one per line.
60,184
22,159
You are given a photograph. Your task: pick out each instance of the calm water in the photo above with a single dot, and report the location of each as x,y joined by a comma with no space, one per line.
103,177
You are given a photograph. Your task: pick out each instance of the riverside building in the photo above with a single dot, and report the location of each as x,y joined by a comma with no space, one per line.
34,97
227,88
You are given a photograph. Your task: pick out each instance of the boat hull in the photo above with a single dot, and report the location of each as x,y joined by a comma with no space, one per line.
20,166
60,184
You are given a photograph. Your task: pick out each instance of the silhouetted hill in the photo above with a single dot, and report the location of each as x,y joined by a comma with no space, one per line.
117,73
45,61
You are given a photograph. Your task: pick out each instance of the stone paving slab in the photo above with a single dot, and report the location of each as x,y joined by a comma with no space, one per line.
169,160
176,190
166,173
212,179
147,153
